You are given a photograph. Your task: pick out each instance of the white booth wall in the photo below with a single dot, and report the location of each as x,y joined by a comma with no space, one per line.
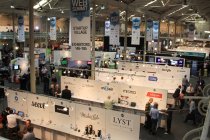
98,91
52,122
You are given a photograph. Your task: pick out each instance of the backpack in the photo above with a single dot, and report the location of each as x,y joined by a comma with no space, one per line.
176,93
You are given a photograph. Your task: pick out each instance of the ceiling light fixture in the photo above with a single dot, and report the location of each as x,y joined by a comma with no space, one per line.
151,2
62,12
191,9
12,6
177,10
42,3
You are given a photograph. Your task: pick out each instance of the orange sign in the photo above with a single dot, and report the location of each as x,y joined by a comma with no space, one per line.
155,95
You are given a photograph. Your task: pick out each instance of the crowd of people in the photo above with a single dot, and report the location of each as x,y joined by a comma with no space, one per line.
10,125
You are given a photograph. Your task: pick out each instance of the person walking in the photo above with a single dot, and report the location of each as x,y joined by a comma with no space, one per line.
148,106
169,113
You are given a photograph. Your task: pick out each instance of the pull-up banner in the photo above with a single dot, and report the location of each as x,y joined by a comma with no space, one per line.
155,30
149,30
114,29
80,30
136,21
21,32
53,28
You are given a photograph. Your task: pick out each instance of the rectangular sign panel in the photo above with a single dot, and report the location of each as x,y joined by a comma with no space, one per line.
80,30
53,28
136,21
114,29
107,28
149,30
21,32
155,30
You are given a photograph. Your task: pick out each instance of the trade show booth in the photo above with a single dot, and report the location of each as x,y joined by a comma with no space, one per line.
60,119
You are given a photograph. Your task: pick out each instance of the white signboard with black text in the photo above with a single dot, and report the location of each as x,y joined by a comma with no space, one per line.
118,122
107,28
80,30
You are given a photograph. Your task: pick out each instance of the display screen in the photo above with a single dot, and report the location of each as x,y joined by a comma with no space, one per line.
16,67
20,113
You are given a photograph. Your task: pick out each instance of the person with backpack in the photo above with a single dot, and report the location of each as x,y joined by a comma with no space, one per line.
177,94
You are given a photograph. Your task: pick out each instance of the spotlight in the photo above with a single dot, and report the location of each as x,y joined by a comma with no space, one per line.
12,6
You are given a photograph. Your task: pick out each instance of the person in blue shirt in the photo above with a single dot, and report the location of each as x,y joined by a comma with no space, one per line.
154,113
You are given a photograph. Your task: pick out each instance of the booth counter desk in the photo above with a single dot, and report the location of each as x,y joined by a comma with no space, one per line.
60,119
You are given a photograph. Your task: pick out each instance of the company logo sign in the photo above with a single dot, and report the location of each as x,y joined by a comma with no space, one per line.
60,109
114,18
167,70
38,105
89,116
152,78
122,122
129,91
80,8
155,95
106,88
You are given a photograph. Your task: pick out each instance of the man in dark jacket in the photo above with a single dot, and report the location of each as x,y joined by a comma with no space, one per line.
176,94
66,93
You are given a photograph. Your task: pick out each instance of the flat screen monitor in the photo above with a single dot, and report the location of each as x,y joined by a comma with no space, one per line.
20,113
16,67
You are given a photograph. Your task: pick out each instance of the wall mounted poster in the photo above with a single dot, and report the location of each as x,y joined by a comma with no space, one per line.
136,21
155,30
149,30
114,29
107,28
191,33
53,28
80,30
21,32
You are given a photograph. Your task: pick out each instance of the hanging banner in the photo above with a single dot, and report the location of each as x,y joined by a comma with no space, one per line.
149,30
114,29
136,21
21,32
80,30
107,28
53,28
191,33
155,30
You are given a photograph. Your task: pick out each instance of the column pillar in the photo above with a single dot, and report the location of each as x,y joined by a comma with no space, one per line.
93,42
14,35
126,32
31,49
145,41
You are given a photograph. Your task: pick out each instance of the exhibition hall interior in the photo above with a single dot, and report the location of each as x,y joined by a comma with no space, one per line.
104,70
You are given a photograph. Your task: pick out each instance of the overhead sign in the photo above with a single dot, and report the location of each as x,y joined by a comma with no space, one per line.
107,28
114,28
53,28
21,32
80,30
155,30
149,30
136,21
191,33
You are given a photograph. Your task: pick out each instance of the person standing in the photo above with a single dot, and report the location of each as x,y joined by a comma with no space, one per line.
148,106
66,93
169,113
200,83
46,84
12,122
176,95
154,113
191,113
185,82
181,99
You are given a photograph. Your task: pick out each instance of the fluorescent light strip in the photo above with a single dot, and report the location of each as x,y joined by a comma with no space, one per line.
151,2
42,3
178,10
